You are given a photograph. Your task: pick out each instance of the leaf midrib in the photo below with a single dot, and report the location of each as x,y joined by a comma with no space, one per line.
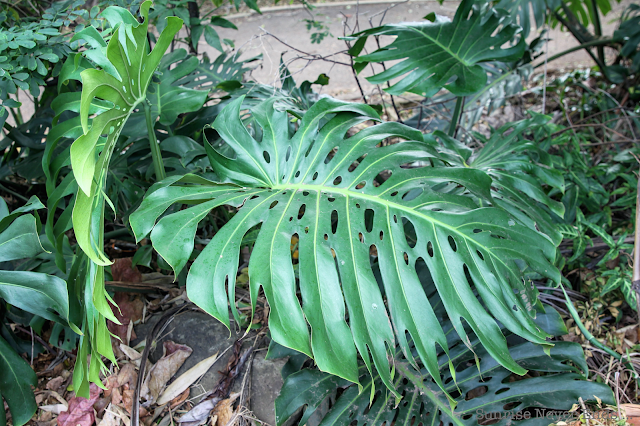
389,204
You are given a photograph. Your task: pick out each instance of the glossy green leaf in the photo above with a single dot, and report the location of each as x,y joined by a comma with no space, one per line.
20,240
35,292
444,54
509,158
343,197
169,98
525,13
16,380
90,153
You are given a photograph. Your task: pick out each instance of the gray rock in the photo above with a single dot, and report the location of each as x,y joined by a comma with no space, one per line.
206,336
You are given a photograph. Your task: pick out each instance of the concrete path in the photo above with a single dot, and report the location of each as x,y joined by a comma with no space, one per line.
256,33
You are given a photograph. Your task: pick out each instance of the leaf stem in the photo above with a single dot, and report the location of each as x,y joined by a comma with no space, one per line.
599,42
156,155
424,390
597,29
591,338
456,116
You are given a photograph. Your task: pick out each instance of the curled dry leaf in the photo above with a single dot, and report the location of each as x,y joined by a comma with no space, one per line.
224,409
178,400
55,408
55,383
80,411
131,353
122,270
110,417
128,310
174,356
186,379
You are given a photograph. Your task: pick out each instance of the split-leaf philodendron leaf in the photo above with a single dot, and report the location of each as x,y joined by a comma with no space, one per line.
124,84
126,71
347,196
443,53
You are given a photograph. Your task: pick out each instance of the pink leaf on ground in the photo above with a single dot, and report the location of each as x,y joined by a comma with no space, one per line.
80,411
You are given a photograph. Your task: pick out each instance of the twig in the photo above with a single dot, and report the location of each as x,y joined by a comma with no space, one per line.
312,56
37,338
586,413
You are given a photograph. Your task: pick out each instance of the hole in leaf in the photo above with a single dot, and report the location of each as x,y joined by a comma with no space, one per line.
476,392
480,255
297,173
395,218
315,176
337,180
356,163
368,219
266,156
334,221
357,205
331,199
305,193
326,237
412,194
501,390
381,235
452,243
511,405
406,258
361,237
410,232
430,249
394,193
303,208
361,185
306,230
288,154
275,203
382,177
515,308
331,154
477,231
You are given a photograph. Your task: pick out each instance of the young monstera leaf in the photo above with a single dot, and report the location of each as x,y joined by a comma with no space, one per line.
127,69
443,53
485,392
346,197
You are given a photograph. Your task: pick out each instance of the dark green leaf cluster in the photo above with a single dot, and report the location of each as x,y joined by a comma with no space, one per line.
484,390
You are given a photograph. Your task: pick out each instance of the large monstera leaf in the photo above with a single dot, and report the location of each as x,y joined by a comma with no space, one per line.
323,186
128,67
484,390
443,53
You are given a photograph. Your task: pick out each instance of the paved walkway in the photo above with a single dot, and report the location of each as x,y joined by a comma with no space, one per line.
288,25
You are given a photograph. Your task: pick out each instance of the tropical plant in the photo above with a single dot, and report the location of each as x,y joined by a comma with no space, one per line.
344,197
439,53
37,293
484,390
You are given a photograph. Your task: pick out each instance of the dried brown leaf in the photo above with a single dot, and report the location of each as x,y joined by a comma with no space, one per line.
164,370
